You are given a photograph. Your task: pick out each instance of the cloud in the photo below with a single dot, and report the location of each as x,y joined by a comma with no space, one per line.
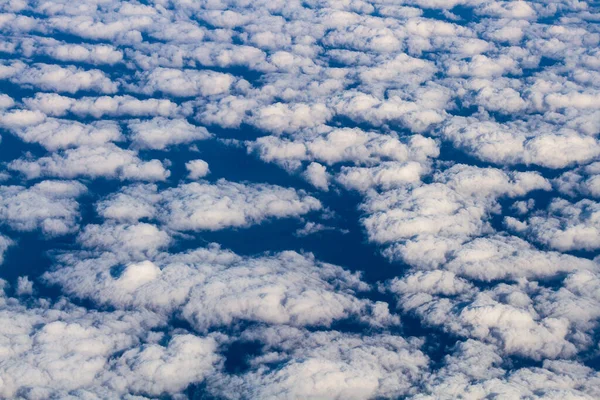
505,257
580,181
566,226
107,161
387,175
70,351
316,174
390,100
201,205
505,315
337,145
56,134
183,83
474,369
53,104
5,243
138,240
197,169
327,364
210,287
49,205
68,79
515,143
159,133
423,223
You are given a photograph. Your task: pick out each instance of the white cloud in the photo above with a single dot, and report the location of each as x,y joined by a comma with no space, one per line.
211,287
137,240
197,169
107,161
70,351
518,143
580,181
423,223
316,174
49,205
159,133
328,364
56,134
5,243
184,83
204,206
65,79
56,105
566,226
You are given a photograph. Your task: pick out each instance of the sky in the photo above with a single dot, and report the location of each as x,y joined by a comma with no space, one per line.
299,199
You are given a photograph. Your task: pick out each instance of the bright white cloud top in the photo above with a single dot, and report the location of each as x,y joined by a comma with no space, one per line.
300,199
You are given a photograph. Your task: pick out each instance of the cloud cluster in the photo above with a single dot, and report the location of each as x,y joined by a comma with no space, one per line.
212,287
462,134
49,205
202,205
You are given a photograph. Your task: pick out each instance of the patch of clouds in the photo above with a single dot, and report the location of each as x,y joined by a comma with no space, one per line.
69,79
565,226
197,169
50,206
211,287
107,161
159,133
56,105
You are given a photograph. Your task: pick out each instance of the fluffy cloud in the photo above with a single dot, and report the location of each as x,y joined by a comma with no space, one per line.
328,364
475,370
184,83
379,97
64,79
566,226
316,174
70,351
49,205
332,145
581,181
197,169
5,243
216,288
423,223
203,206
159,133
56,134
115,106
517,143
107,161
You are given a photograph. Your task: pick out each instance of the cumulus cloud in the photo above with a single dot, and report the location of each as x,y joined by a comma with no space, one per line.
516,143
316,174
389,99
68,79
204,206
5,243
213,288
566,226
336,145
184,83
53,104
421,224
109,161
56,134
49,205
70,351
159,133
328,364
197,169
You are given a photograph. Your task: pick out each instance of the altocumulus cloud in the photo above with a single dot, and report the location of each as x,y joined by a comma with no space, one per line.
458,139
